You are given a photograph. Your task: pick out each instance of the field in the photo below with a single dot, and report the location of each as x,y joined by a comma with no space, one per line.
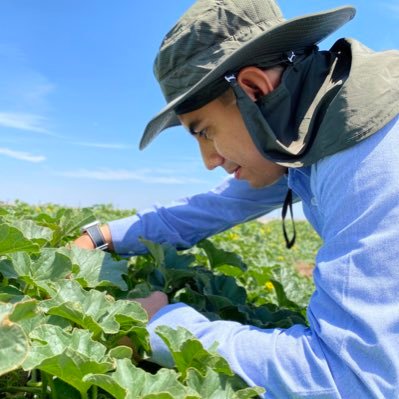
65,313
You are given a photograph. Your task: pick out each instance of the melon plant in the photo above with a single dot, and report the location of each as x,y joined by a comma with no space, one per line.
65,313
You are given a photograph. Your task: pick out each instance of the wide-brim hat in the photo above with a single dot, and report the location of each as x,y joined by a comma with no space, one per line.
216,37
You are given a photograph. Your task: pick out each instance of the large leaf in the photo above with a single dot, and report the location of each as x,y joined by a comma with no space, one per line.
156,250
51,265
131,382
97,268
177,261
189,296
12,240
10,293
33,231
69,222
211,385
95,310
226,288
67,356
219,257
282,298
188,352
14,342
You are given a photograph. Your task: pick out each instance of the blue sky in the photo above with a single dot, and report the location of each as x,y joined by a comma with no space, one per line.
76,90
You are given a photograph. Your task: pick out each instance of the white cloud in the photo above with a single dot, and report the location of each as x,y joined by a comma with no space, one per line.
144,176
393,7
24,121
24,93
22,86
37,94
22,156
110,146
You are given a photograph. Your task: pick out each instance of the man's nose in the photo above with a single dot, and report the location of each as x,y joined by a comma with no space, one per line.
212,159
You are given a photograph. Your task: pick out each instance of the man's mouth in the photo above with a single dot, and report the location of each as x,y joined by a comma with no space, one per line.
237,172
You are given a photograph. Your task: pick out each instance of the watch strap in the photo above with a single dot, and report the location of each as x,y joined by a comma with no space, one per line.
94,232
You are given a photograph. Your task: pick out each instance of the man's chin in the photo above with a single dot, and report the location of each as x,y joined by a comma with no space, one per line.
261,184
257,184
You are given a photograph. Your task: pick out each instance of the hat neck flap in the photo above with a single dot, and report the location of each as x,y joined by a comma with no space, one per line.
326,102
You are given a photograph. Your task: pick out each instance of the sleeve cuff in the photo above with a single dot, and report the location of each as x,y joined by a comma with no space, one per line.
125,233
174,315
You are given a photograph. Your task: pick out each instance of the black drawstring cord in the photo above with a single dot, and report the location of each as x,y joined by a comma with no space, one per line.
288,204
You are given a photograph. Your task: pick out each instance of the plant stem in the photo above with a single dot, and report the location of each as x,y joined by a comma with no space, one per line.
34,376
95,391
44,384
51,384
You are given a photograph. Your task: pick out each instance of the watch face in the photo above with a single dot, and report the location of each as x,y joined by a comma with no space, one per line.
96,235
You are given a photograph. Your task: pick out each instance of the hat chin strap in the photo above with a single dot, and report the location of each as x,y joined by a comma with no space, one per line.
289,242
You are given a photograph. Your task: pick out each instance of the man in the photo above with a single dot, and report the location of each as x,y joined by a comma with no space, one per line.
265,104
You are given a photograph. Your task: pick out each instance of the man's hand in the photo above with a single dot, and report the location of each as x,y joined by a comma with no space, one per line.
85,242
156,301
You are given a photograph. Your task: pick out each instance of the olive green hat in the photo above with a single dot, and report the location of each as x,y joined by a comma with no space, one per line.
215,37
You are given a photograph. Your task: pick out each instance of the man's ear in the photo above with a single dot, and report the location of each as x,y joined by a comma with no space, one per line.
256,82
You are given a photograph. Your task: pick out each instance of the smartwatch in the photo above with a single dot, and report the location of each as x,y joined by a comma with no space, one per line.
93,230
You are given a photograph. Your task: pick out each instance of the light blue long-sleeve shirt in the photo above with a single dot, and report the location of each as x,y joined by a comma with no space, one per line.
351,348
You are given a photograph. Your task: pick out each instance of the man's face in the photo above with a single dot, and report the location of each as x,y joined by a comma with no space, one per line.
224,141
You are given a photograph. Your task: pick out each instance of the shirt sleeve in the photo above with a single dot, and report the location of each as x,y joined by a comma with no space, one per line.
355,308
189,220
288,363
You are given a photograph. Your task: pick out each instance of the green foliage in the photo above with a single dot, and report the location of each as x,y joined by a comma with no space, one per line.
65,312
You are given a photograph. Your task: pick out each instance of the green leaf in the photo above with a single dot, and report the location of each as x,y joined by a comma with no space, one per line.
121,352
70,221
272,316
189,296
67,356
177,261
225,287
28,325
10,294
23,310
12,240
131,382
156,250
211,385
97,268
95,310
188,352
236,313
219,257
14,343
62,390
228,270
141,290
282,298
51,265
33,231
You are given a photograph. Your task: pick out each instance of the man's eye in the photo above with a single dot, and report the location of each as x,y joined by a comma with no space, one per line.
203,134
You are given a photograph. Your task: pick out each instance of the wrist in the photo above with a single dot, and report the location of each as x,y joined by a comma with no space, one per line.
107,236
98,235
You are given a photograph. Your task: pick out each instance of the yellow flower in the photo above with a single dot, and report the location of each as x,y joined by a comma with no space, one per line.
269,286
233,236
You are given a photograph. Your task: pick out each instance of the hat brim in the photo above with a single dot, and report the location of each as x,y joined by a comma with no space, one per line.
296,33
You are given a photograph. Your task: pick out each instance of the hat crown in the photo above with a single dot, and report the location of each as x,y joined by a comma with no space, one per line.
208,32
215,37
